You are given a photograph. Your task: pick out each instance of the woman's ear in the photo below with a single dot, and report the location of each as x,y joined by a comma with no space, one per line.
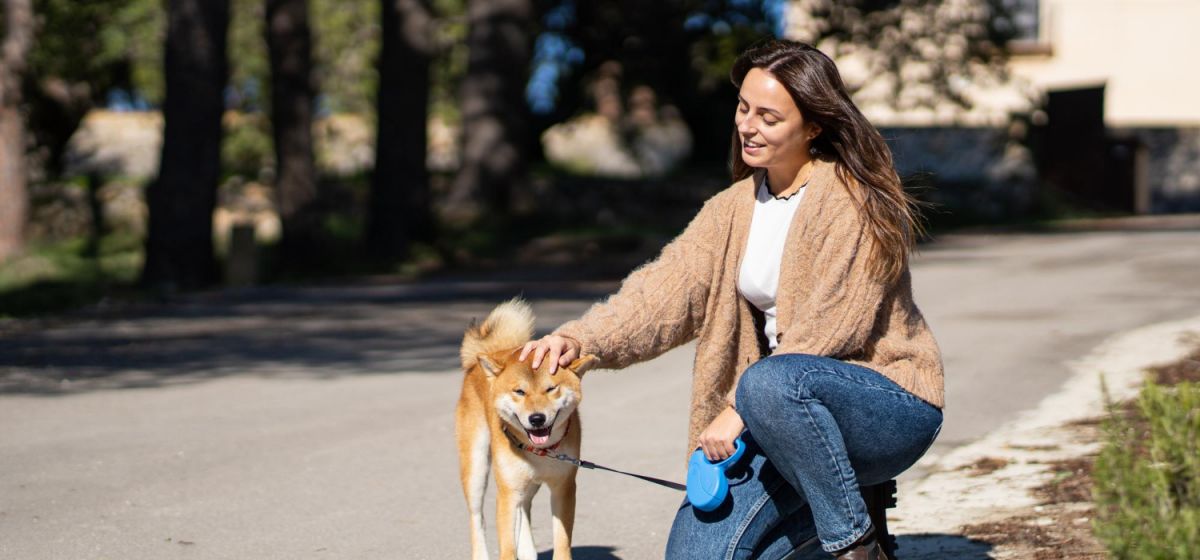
583,363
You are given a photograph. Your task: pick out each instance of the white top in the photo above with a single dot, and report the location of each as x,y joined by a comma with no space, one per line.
758,280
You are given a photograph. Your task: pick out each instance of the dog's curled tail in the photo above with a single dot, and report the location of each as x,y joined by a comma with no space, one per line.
509,325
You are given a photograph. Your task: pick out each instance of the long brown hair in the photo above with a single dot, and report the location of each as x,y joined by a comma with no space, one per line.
863,160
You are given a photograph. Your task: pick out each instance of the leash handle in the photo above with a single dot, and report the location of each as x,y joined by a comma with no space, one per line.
707,486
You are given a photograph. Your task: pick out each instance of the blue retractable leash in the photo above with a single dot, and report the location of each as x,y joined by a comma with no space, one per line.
707,485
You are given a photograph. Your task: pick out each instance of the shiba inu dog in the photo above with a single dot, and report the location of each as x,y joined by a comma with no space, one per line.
516,418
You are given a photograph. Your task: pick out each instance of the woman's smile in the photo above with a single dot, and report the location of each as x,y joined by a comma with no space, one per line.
752,148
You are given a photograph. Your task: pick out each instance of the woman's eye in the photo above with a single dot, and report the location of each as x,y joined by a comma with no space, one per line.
770,123
519,392
742,109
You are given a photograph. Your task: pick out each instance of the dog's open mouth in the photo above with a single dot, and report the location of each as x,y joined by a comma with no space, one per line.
539,436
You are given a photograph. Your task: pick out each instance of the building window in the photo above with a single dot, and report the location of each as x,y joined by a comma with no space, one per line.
1022,20
1024,17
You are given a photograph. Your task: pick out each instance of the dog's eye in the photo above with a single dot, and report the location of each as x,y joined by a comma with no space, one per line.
519,392
552,388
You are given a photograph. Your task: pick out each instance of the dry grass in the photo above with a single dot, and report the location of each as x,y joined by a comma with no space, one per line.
1058,528
1185,369
986,465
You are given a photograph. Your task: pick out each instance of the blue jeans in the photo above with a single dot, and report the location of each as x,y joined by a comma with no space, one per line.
818,428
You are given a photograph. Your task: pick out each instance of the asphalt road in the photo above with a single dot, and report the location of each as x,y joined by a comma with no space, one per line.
317,423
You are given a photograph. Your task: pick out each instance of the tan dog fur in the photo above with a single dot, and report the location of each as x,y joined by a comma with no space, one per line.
491,399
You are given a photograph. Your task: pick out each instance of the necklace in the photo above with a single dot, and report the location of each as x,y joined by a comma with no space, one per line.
782,196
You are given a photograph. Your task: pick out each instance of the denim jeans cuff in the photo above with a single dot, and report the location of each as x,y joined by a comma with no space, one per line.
856,534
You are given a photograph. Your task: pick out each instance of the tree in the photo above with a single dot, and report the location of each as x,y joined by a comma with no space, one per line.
909,52
684,49
681,49
179,248
84,52
495,116
14,202
400,199
289,43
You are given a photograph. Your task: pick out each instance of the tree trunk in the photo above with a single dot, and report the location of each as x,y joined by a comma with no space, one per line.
494,112
14,200
179,248
54,110
400,202
290,44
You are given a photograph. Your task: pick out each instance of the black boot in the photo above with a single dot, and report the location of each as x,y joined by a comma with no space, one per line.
866,548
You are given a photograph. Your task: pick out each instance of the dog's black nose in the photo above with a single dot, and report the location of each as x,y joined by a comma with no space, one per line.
536,420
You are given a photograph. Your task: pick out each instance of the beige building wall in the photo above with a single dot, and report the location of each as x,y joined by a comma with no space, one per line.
1146,53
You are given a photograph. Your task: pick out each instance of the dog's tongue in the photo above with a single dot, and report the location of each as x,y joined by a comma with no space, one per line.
539,437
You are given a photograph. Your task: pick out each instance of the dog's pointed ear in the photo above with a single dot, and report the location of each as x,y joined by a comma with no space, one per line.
583,363
490,365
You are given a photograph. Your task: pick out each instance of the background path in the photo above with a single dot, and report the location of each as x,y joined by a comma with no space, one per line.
317,423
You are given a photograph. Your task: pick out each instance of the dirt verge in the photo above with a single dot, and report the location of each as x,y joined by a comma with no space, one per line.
1025,490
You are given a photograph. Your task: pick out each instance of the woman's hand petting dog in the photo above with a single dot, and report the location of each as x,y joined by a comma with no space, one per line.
559,349
717,439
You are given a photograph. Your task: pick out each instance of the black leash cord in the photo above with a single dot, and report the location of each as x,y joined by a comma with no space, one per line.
591,465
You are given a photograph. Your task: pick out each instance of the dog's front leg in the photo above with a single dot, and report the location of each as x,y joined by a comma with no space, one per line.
562,505
507,516
512,520
474,459
525,547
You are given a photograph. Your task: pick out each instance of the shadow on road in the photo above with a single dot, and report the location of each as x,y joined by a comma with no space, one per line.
927,546
941,545
585,553
304,332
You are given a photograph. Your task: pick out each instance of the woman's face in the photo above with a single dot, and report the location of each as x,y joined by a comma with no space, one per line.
772,130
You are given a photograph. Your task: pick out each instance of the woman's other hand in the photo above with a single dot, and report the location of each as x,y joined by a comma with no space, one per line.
717,440
560,350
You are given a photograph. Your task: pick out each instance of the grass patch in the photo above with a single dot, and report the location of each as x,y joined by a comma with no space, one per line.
58,276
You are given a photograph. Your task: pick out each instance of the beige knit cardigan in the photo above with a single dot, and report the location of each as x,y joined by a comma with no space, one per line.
828,303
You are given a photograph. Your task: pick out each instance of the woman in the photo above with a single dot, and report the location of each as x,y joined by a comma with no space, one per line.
795,282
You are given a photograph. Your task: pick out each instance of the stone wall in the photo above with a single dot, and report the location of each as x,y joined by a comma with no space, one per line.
987,173
1172,166
970,174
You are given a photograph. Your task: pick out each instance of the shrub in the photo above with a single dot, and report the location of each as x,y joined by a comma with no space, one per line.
247,149
1148,476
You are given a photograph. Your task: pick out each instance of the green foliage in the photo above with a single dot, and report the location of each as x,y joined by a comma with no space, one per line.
450,63
101,43
713,54
343,227
1148,476
247,148
345,46
119,43
137,35
249,68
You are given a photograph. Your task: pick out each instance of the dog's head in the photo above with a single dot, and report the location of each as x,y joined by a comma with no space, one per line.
534,401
